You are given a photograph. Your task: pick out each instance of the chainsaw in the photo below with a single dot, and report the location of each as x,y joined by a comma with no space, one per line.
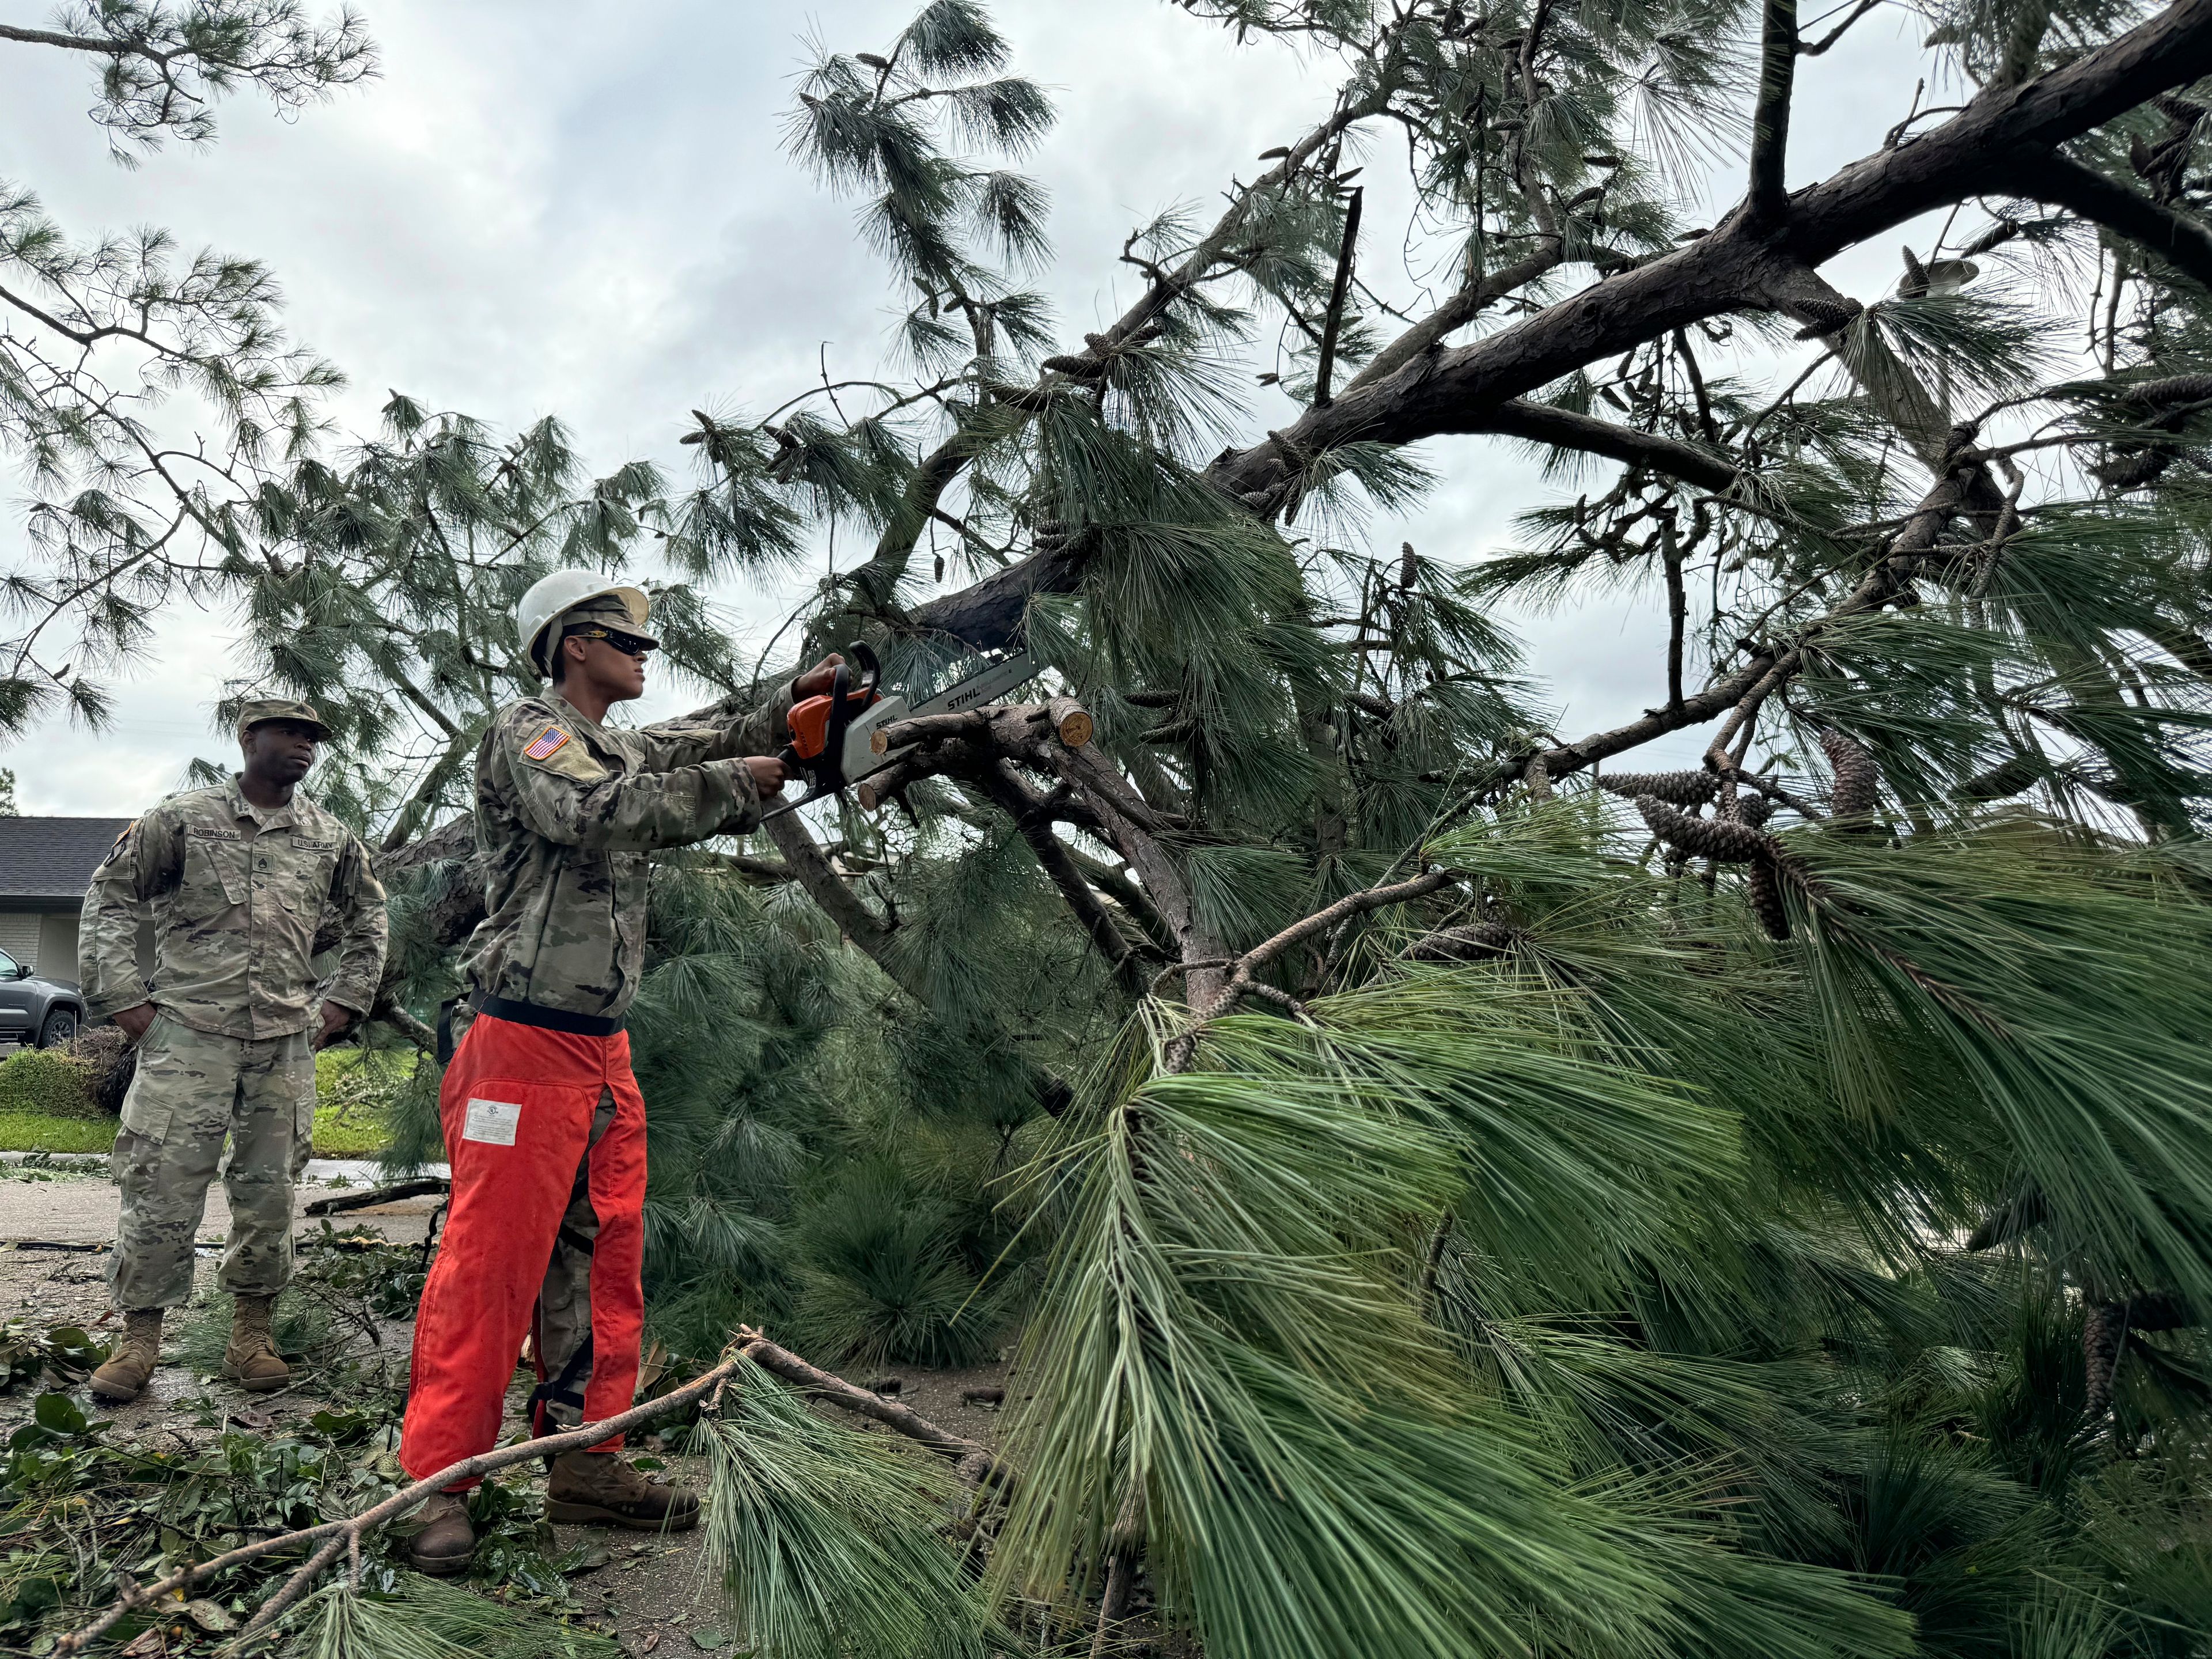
833,736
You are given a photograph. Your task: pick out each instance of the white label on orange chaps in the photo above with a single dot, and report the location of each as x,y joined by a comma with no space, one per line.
492,1122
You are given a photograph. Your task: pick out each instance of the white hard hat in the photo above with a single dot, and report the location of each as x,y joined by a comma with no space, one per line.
553,596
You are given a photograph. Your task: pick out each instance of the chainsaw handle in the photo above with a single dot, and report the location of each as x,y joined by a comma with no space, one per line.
871,671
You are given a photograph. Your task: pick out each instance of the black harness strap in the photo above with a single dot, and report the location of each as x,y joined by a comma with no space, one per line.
544,1019
565,1389
445,1029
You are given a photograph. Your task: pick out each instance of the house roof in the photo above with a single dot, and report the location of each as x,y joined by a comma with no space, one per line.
52,858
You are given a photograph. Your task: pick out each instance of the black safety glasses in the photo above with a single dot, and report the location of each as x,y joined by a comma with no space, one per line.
629,644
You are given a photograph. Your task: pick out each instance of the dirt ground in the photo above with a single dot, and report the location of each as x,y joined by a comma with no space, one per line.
649,1592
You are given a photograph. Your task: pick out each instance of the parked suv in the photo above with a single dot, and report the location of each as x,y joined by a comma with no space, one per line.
36,1011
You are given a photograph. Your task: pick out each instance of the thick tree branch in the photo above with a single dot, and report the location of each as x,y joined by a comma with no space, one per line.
1743,264
1678,612
406,1024
2182,242
1456,313
1770,120
1117,884
1012,798
1334,321
82,43
1563,428
811,868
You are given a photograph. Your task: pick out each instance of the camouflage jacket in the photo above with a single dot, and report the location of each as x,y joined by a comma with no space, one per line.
567,810
237,893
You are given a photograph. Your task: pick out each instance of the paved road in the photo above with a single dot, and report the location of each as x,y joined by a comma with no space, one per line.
77,1205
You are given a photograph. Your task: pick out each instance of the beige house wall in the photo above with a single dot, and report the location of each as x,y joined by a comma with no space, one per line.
56,957
19,934
48,941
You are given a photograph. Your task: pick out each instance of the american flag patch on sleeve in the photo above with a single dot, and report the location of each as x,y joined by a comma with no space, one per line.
546,744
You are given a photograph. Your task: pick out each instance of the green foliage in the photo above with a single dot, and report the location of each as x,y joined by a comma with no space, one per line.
62,1356
408,1616
169,65
80,1505
2052,976
880,1279
830,1540
823,1155
357,1093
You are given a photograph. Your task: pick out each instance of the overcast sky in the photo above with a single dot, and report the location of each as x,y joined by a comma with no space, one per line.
579,208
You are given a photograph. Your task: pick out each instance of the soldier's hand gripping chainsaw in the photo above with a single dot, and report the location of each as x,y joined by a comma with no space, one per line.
833,736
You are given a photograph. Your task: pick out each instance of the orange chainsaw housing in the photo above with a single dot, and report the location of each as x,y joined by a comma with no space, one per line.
810,720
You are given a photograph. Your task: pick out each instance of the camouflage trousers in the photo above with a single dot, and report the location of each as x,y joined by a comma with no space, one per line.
194,1090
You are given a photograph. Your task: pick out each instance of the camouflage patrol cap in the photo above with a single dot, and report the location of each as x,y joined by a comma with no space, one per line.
259,711
606,610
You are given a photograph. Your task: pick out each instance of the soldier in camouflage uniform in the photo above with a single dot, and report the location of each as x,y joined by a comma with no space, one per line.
544,1123
237,878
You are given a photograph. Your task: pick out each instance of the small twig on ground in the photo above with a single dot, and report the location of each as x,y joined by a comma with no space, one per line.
974,1459
375,1195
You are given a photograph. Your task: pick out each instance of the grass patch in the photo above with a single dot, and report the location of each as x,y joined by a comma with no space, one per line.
354,1088
45,1105
43,1132
339,1133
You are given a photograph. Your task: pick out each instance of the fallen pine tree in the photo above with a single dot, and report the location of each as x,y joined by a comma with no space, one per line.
1445,1194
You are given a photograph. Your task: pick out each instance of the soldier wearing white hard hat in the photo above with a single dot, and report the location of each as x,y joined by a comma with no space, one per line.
545,1125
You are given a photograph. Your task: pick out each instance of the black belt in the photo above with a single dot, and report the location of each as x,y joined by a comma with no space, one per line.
546,1019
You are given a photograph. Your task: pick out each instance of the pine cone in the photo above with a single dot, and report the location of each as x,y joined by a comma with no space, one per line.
1678,789
1858,783
1913,284
2132,471
2103,1331
1717,839
1766,893
1825,316
1753,809
1477,942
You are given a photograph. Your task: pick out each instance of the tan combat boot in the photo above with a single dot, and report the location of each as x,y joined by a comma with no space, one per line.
447,1541
124,1375
599,1489
252,1360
